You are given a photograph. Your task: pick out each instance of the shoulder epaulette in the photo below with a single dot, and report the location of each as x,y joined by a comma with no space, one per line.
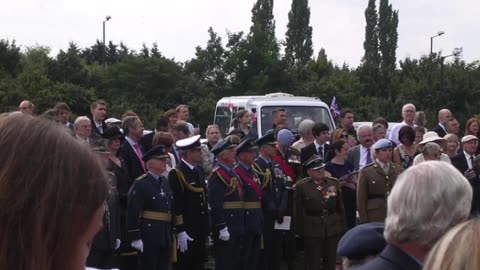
141,177
304,180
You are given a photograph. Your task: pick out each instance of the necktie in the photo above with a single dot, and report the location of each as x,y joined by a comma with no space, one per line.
320,151
471,162
100,129
369,157
140,156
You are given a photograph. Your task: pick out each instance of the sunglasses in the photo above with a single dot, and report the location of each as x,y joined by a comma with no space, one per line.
344,136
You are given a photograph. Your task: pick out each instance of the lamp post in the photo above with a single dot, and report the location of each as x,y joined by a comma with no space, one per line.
431,40
456,52
107,18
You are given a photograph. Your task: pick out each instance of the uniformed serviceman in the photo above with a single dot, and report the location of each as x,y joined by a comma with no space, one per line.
320,216
375,183
274,200
188,185
288,158
252,196
225,194
150,205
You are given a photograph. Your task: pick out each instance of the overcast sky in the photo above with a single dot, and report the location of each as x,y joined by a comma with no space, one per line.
180,25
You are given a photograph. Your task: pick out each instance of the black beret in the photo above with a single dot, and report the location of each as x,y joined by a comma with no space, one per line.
315,162
229,142
157,152
362,241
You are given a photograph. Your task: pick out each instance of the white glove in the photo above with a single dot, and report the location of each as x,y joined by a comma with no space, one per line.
182,239
117,243
224,234
138,245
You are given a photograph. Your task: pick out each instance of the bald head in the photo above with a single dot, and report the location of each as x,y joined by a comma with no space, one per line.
444,115
26,107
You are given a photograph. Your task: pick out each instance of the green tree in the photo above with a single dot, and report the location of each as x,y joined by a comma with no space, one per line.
9,57
112,53
299,49
387,36
68,67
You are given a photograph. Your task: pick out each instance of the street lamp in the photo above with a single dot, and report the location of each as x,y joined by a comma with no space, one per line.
431,40
455,53
107,18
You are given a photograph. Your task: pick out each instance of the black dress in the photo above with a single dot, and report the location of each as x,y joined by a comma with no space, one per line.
349,195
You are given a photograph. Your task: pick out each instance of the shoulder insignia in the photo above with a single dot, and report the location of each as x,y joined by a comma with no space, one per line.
294,151
374,165
332,179
141,177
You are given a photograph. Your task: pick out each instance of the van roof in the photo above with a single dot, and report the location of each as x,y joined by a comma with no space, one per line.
289,99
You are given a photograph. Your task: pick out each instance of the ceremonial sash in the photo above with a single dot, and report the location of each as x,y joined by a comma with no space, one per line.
285,168
234,182
256,187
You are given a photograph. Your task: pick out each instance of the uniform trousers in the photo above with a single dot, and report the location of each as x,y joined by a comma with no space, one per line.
228,253
320,251
102,259
194,257
250,251
155,258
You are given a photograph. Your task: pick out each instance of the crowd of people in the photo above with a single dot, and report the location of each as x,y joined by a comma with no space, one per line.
103,192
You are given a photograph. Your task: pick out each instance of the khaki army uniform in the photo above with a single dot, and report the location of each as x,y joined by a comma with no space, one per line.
320,219
374,185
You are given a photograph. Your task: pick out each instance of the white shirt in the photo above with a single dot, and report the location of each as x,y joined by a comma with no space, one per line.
363,156
469,161
131,142
323,147
393,136
443,127
188,164
190,128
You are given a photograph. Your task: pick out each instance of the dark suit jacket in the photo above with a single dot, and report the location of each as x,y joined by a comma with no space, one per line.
310,150
460,162
146,141
392,258
94,127
439,130
354,157
132,163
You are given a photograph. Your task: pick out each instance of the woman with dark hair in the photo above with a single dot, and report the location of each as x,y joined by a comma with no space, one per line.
172,118
242,127
404,154
340,168
52,196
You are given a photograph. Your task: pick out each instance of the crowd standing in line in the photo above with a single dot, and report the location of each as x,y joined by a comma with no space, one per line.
254,202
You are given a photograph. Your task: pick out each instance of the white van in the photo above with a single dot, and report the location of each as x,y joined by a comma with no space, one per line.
261,108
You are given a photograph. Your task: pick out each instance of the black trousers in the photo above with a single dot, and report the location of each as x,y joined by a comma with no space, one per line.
194,257
250,251
129,262
155,259
228,253
102,259
321,253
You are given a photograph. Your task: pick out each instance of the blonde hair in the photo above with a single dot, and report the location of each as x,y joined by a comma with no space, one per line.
458,249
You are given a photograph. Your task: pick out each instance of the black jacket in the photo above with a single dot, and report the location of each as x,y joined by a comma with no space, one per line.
392,258
310,150
460,162
132,163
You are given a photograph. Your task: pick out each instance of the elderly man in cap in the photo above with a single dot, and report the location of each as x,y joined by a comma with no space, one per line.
465,163
252,195
274,199
426,201
187,181
225,197
319,215
288,158
150,207
375,182
361,244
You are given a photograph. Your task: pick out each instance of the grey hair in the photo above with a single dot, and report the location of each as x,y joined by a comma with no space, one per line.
80,119
305,126
129,122
426,201
430,148
362,127
408,105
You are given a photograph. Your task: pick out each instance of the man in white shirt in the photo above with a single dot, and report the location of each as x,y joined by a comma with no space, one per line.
83,129
408,115
183,114
361,155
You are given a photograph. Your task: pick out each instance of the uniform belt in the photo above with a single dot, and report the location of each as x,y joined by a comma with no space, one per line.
252,205
376,196
232,205
321,213
157,216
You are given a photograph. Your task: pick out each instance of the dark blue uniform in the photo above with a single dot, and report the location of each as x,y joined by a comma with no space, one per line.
150,208
274,204
191,213
225,194
253,215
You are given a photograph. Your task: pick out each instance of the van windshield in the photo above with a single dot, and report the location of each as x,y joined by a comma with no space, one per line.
223,118
295,115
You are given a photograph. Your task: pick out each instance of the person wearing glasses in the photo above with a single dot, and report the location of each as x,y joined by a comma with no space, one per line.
26,107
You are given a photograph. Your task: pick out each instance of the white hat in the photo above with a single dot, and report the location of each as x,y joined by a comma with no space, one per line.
189,143
112,120
469,138
431,136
